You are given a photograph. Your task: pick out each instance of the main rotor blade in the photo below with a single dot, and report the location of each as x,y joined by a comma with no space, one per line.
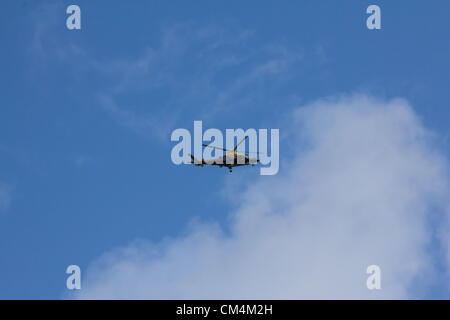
214,147
235,148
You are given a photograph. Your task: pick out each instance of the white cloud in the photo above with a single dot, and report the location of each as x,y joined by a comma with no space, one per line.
358,192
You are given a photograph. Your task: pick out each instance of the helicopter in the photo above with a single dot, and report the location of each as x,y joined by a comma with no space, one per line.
230,159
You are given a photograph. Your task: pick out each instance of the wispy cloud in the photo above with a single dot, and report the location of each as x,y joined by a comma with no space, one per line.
144,124
81,160
195,72
189,71
48,39
359,192
5,197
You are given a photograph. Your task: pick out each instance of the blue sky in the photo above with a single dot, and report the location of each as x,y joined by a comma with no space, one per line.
86,115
